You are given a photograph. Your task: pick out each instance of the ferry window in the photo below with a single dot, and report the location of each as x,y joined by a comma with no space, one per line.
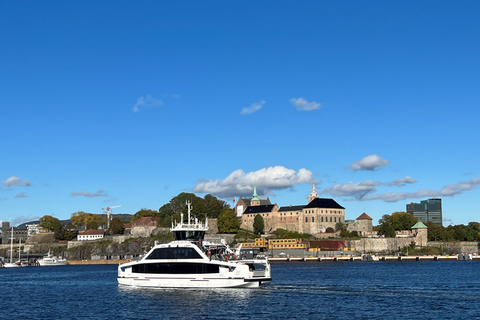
174,253
175,268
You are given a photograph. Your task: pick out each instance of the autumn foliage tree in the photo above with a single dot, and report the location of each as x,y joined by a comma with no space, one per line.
228,221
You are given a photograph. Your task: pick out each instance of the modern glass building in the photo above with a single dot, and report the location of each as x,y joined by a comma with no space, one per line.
427,210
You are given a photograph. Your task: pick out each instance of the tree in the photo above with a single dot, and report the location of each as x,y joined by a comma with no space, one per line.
228,221
85,220
340,226
144,213
53,224
116,226
258,225
70,232
388,224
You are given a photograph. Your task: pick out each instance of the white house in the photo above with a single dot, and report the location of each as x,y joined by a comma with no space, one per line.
90,235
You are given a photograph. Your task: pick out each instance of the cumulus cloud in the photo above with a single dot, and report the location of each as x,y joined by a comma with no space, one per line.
239,183
253,108
364,191
147,102
356,190
401,182
370,163
21,195
304,105
85,193
16,181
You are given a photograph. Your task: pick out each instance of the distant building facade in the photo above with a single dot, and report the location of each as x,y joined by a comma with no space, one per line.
243,203
144,226
92,234
314,217
362,225
18,233
427,210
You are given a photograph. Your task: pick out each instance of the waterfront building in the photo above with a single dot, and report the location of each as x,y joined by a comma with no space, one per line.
18,233
315,217
92,234
270,244
427,210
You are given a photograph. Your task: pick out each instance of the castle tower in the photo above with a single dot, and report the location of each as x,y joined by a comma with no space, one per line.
255,200
313,194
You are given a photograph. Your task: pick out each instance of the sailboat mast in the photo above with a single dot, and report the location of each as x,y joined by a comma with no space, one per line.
11,245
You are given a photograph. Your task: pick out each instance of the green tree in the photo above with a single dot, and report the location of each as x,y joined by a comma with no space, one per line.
340,226
53,224
144,213
70,232
435,232
258,225
116,226
228,221
388,224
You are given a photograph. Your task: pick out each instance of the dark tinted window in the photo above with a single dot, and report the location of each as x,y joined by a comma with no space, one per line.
174,253
175,268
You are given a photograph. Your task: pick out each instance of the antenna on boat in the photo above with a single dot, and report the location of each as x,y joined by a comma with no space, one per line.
189,207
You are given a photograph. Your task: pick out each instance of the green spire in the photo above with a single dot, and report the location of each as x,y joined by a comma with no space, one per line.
255,195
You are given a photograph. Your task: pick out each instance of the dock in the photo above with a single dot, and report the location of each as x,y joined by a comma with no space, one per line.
376,258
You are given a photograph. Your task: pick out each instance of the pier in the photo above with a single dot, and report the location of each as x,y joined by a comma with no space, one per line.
369,258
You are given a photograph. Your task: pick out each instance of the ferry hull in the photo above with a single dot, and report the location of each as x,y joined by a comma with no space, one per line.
160,281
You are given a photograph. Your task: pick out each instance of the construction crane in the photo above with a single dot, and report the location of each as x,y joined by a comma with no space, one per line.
109,213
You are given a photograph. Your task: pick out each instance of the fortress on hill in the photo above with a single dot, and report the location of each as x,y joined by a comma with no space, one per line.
315,217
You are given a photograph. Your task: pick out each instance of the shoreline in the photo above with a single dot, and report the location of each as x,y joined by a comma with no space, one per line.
85,262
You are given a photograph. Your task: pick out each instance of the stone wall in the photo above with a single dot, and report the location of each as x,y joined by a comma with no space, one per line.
455,247
381,245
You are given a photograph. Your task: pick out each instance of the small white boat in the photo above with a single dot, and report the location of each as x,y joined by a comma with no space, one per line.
51,260
188,263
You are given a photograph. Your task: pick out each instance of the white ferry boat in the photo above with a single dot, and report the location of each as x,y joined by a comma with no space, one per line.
187,263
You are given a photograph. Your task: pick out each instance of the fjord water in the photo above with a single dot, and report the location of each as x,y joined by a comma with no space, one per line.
299,290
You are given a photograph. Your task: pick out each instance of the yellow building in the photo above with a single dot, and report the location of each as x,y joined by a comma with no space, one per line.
276,244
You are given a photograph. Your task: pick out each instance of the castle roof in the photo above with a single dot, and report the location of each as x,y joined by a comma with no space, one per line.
291,208
259,209
91,232
419,225
324,203
364,216
247,201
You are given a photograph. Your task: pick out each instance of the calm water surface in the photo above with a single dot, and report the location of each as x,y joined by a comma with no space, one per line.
299,290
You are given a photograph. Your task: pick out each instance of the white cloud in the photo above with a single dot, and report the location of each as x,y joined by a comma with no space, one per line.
401,182
356,190
239,183
253,108
21,195
304,105
370,163
16,181
147,102
85,193
364,190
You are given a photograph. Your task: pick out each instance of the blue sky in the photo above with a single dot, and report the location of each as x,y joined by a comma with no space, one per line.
124,103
